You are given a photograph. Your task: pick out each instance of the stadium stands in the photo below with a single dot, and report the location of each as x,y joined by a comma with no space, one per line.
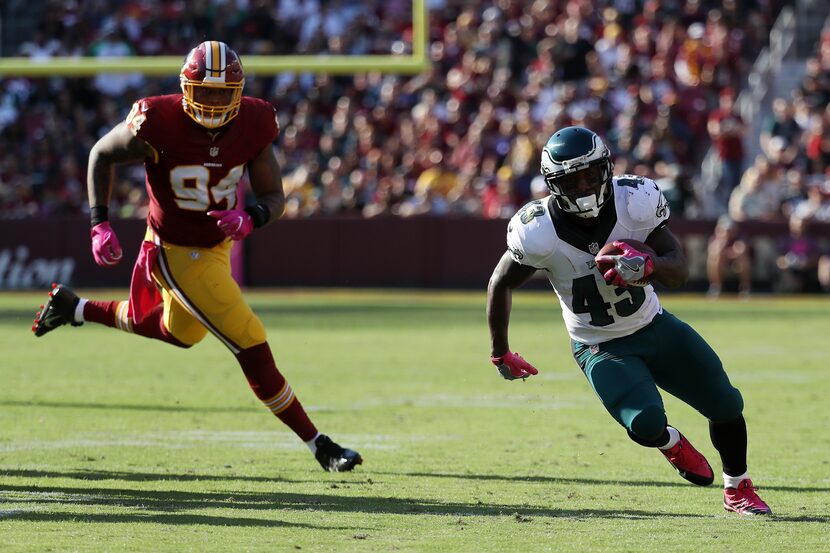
460,139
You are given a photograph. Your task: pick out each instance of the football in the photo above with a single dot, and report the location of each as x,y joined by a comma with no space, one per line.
611,249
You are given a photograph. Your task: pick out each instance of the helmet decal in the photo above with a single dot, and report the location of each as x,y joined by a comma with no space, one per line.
212,80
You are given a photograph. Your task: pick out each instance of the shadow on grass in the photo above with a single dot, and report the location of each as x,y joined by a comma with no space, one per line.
127,407
163,518
595,481
165,506
145,476
176,507
192,477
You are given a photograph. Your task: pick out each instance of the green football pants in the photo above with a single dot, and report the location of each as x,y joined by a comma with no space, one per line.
668,353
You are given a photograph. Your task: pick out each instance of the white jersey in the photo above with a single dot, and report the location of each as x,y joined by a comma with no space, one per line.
540,236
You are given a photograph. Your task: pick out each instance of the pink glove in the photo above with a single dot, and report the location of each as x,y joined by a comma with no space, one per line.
513,367
235,223
631,268
105,247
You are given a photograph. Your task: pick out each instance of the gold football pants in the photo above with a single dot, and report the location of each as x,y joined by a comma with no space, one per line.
200,295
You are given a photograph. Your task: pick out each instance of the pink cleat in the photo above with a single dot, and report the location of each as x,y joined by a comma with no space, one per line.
744,501
689,462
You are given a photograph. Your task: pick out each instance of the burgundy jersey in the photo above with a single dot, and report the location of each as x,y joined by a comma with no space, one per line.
195,170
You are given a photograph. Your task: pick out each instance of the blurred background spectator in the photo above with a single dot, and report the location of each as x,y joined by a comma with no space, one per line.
462,138
804,264
758,196
728,257
726,130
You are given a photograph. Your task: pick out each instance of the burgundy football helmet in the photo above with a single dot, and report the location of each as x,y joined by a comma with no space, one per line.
212,80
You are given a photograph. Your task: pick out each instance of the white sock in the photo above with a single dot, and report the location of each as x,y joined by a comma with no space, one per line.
674,437
311,445
79,311
734,481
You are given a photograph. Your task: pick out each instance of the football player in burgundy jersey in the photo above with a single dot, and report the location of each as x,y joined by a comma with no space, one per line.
195,147
626,344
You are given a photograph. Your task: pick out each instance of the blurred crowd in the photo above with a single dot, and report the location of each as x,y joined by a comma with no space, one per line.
652,77
789,180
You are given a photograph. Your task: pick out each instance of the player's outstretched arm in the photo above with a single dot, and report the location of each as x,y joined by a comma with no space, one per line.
506,276
117,146
670,267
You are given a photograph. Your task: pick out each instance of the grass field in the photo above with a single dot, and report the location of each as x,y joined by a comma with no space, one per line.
111,442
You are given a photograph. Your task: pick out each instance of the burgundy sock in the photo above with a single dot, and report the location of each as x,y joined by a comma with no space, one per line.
273,390
101,312
106,313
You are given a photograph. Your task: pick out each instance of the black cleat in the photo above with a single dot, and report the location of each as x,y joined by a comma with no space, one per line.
334,458
58,311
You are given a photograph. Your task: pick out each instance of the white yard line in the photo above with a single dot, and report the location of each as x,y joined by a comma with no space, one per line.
500,401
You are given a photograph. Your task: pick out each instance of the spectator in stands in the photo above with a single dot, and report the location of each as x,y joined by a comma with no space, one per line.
726,43
431,190
572,53
793,192
799,263
815,88
115,44
695,59
758,196
41,47
728,255
515,70
780,134
465,199
817,204
817,143
726,130
498,200
609,45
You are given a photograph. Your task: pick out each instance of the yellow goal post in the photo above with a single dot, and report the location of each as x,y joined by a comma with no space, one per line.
259,65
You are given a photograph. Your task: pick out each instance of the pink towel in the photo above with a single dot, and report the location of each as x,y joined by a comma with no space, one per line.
144,295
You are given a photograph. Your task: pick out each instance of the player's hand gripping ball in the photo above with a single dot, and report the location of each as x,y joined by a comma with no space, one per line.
626,263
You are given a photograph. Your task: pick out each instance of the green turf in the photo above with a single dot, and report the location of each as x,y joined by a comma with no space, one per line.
111,442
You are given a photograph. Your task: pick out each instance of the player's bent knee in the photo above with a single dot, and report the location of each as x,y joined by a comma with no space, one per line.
256,330
648,425
247,331
183,345
186,336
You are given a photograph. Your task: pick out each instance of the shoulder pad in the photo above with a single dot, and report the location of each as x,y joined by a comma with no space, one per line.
642,200
264,114
531,237
137,116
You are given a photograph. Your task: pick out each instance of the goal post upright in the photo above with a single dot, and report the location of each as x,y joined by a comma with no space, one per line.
259,65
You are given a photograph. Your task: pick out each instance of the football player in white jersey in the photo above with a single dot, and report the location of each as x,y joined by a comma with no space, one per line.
626,344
